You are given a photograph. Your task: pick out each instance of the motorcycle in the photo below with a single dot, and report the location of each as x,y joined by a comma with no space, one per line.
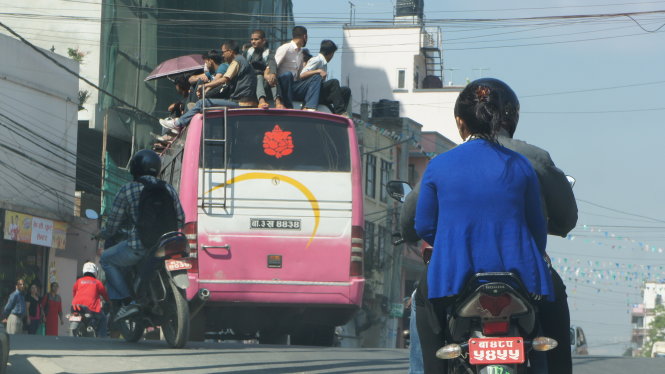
493,324
494,328
158,287
82,322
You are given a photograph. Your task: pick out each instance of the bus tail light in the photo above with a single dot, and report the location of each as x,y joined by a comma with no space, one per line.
190,231
357,249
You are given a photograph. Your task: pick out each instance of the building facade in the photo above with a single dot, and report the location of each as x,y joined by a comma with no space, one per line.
411,69
642,315
41,239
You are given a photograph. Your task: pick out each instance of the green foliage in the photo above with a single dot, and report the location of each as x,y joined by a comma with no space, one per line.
83,97
76,54
656,330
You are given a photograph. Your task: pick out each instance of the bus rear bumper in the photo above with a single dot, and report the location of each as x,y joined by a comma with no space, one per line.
280,292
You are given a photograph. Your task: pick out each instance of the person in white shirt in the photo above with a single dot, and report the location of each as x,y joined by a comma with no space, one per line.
289,61
332,95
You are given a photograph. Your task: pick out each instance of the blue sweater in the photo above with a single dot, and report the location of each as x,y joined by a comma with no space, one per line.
480,208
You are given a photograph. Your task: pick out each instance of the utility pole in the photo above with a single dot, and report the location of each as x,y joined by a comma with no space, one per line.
352,13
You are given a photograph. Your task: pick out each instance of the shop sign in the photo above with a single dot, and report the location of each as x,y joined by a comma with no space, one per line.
34,230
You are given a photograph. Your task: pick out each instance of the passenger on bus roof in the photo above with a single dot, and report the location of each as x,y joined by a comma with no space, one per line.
215,69
240,76
176,109
289,59
265,67
332,95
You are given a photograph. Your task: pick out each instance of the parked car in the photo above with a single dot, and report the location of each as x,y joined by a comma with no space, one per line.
4,349
578,344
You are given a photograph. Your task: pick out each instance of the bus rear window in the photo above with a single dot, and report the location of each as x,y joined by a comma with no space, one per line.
278,143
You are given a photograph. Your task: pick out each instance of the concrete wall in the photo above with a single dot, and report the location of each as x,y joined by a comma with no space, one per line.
60,25
38,117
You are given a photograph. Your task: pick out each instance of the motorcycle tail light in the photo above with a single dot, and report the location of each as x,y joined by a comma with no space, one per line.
175,248
496,327
543,343
495,304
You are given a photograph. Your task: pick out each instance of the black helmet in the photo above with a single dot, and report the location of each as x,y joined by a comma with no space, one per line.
145,162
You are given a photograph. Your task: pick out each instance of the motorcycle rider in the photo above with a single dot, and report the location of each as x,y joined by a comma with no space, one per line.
87,292
144,167
560,209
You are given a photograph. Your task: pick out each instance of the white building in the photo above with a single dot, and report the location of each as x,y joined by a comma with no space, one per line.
41,239
59,26
402,62
643,314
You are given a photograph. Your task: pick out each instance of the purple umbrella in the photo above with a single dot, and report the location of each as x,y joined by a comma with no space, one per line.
177,65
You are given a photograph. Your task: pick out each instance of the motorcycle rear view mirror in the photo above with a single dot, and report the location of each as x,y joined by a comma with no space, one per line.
571,180
91,214
398,190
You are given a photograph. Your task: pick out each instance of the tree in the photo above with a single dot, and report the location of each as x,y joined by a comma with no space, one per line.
656,330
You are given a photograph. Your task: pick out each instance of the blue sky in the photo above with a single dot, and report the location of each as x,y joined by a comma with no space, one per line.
592,93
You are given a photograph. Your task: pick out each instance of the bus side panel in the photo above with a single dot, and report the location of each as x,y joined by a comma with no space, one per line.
190,170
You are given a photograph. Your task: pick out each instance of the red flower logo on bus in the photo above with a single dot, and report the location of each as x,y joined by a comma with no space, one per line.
278,142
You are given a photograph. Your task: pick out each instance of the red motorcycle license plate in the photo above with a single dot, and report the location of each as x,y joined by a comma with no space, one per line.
172,265
75,318
508,350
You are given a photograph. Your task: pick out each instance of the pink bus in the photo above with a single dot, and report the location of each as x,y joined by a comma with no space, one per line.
274,216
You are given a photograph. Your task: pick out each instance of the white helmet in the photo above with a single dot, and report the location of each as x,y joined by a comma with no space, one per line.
89,267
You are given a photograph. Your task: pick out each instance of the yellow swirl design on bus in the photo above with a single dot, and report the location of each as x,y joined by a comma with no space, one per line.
301,187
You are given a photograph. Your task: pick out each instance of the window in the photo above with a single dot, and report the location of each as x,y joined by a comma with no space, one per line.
386,168
381,245
313,144
369,243
401,78
370,176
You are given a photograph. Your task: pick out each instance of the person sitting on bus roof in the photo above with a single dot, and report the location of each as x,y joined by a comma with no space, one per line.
332,95
215,69
265,67
289,59
177,109
239,75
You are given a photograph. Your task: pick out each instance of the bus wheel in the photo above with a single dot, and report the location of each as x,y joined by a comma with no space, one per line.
318,335
272,336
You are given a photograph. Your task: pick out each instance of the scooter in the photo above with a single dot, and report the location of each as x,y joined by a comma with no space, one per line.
82,322
158,287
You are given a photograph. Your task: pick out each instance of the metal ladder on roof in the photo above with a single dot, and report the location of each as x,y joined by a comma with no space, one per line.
206,200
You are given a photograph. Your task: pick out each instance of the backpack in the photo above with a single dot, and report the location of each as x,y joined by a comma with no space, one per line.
156,214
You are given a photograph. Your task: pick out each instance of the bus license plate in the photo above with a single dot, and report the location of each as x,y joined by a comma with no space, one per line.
507,350
74,318
172,265
274,224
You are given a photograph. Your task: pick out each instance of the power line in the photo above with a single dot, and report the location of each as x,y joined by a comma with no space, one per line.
41,52
620,211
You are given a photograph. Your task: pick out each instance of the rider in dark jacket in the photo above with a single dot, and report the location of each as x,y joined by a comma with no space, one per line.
144,166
